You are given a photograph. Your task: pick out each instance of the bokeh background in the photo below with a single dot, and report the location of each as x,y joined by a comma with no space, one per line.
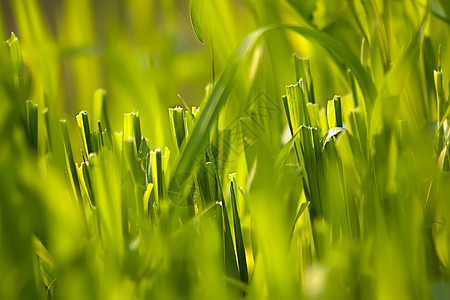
147,57
145,53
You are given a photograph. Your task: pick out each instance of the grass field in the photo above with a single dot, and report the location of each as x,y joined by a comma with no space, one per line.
251,149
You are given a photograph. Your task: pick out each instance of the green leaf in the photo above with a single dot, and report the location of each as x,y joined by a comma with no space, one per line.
16,61
197,12
441,114
334,115
130,155
71,167
177,125
132,128
157,175
305,8
314,117
302,208
146,200
300,212
314,168
231,267
445,4
85,171
332,132
297,104
32,123
191,120
46,261
353,88
284,153
394,82
240,249
83,125
303,70
100,111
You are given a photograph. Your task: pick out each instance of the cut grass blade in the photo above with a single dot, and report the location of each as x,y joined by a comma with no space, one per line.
334,115
85,132
303,70
16,61
157,175
284,153
231,266
330,134
85,174
177,125
132,128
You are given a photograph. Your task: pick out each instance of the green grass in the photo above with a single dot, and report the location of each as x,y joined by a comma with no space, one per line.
288,177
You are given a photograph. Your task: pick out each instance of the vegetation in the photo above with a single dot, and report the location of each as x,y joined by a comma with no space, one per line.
324,177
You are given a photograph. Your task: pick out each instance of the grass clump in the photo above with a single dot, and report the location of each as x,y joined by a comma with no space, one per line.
319,178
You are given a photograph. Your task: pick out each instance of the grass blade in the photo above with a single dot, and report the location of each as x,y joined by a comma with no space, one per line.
334,115
197,12
240,249
83,125
32,123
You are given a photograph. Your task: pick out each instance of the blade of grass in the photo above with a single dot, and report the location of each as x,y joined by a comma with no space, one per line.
177,125
303,70
16,61
331,133
83,125
197,12
334,115
240,249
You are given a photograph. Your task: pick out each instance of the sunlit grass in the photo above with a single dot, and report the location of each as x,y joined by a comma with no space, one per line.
324,177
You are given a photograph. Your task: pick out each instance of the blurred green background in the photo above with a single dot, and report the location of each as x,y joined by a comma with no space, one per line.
146,55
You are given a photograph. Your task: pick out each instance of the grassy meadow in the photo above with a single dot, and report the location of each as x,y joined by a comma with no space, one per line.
233,149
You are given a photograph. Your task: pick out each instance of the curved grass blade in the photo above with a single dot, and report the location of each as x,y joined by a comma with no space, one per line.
132,128
334,115
83,125
197,12
300,211
332,132
231,266
303,70
240,249
177,125
16,61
